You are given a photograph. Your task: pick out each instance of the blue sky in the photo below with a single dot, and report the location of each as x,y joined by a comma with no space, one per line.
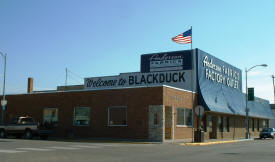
101,38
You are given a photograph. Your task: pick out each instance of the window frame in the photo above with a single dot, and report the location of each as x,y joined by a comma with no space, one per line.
227,123
89,122
258,125
184,118
220,124
209,123
119,125
264,124
57,110
253,125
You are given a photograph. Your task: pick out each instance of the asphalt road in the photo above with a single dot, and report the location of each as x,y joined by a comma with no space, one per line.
19,150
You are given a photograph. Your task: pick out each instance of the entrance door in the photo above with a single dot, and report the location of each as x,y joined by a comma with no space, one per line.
169,123
213,130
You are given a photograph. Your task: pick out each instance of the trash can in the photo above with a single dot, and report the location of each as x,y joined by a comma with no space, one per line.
199,135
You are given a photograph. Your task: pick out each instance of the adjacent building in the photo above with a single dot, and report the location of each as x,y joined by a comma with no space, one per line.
272,121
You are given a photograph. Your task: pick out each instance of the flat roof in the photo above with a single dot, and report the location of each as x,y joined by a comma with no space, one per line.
87,90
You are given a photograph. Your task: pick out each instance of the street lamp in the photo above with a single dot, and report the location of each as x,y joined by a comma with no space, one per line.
246,98
3,101
273,87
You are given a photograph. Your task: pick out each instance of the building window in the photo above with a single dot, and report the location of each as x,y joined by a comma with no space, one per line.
188,117
253,124
250,123
226,123
204,123
258,124
220,123
81,116
184,116
50,116
264,124
210,121
117,116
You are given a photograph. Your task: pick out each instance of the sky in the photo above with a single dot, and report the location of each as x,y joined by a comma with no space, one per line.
106,37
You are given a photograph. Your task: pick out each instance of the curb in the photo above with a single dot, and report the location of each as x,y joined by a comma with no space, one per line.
100,141
213,143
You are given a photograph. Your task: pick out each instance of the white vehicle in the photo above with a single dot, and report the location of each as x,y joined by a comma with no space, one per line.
23,127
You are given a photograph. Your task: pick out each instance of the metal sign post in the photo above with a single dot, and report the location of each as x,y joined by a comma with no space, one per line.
199,110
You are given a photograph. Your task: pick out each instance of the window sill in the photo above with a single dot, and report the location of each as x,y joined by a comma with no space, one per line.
183,126
117,125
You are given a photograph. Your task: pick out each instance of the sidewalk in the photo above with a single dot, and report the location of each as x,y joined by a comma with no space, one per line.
182,142
212,142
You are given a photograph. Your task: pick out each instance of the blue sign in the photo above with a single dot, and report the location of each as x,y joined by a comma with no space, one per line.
166,61
220,85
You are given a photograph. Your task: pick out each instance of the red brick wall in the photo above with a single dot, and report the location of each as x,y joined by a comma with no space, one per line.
236,127
137,101
178,98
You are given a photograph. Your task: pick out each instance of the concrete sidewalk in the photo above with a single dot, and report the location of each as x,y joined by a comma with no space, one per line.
182,142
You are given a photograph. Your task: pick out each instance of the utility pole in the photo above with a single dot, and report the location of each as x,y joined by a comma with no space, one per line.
247,136
273,87
66,79
4,101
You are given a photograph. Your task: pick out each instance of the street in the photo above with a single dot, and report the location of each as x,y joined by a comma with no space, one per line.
19,150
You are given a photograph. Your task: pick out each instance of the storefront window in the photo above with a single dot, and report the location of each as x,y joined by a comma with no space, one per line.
210,121
81,116
264,124
204,123
184,116
180,116
188,117
253,124
50,116
220,123
250,123
117,116
258,124
226,123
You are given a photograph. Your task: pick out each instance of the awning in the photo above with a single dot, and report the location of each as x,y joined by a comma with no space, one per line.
220,89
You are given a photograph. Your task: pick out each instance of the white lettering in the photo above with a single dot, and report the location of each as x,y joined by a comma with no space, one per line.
157,57
221,74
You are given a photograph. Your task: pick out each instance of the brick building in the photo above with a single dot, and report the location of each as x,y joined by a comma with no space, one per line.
272,121
155,103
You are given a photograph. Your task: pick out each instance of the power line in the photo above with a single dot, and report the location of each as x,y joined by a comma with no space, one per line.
75,74
72,76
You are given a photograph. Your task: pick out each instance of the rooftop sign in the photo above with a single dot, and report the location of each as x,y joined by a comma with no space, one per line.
166,61
179,79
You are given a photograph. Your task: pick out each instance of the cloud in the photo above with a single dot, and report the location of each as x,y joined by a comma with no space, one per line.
253,74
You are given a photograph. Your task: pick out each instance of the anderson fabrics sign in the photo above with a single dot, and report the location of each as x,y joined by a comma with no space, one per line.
166,61
179,79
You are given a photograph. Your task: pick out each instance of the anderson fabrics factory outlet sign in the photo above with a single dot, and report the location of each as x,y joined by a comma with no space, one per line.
179,79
